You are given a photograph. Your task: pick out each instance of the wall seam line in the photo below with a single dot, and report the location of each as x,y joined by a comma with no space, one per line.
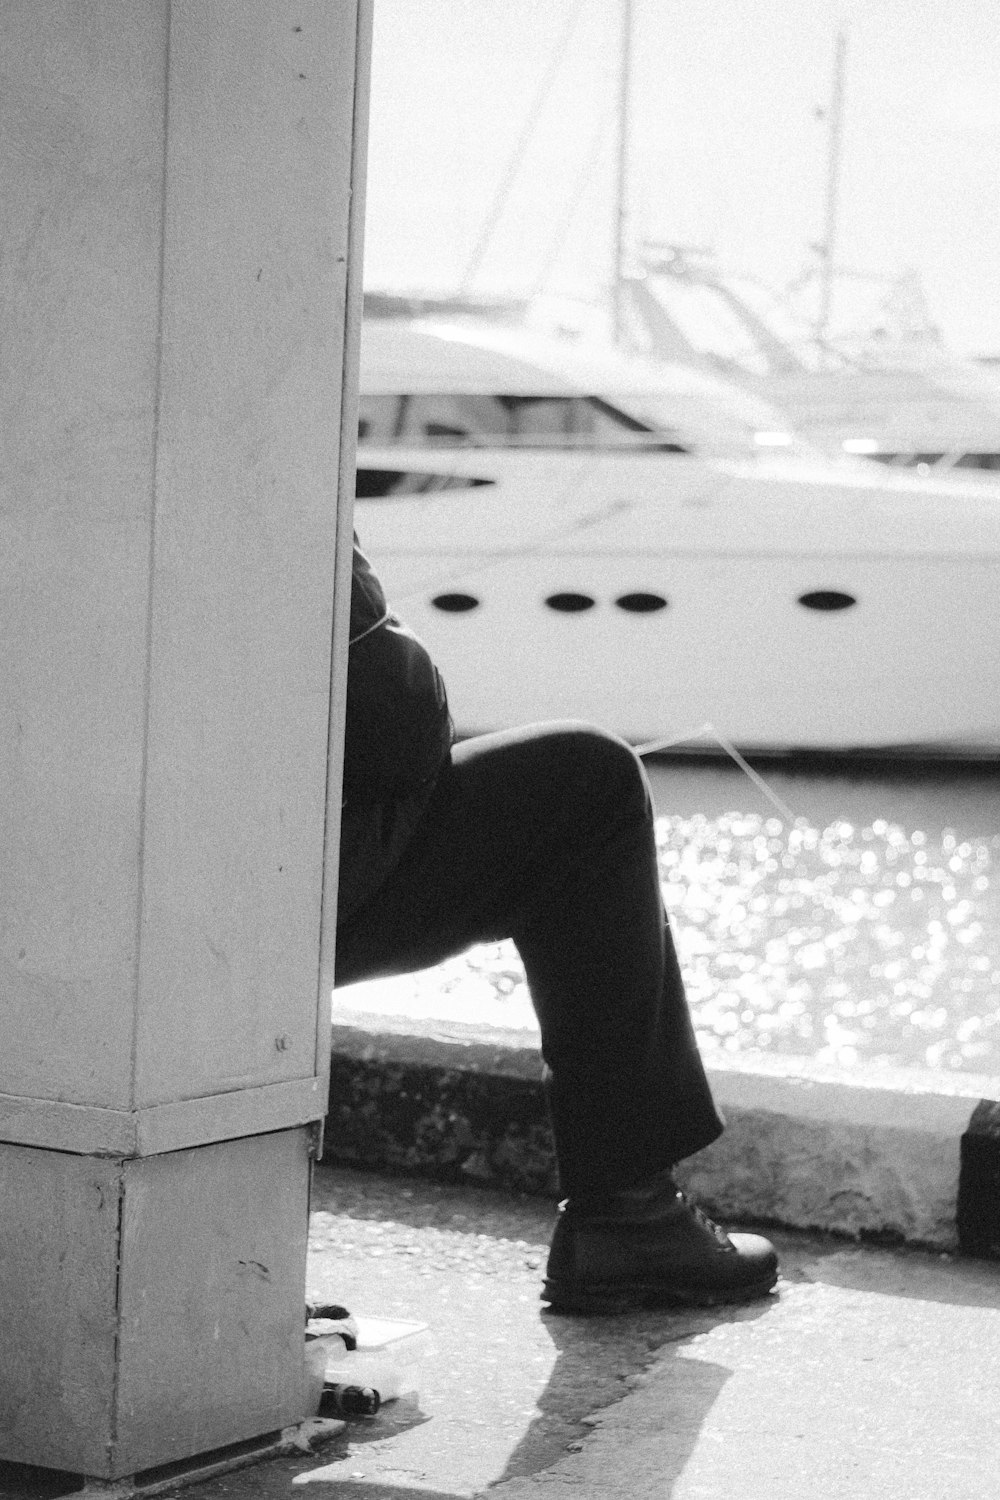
151,567
346,463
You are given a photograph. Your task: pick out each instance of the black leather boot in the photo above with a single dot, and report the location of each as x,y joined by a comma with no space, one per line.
650,1247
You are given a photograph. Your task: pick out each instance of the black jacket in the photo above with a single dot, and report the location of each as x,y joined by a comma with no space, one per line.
398,738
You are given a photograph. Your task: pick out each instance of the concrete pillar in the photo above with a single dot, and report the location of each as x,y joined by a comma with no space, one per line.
179,256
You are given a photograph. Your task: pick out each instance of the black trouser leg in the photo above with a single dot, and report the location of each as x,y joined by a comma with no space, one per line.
545,835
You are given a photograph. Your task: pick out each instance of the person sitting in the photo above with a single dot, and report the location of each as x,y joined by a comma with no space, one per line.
544,835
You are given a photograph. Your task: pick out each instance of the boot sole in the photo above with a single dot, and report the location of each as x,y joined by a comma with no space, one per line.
645,1296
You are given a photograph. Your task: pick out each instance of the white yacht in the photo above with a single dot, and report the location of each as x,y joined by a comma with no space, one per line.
891,390
580,534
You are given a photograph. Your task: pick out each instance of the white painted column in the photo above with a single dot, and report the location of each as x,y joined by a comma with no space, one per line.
179,305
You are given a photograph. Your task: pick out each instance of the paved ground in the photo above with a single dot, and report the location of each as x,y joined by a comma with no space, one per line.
869,1372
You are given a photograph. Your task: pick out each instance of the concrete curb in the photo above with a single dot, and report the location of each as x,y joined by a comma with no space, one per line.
911,1157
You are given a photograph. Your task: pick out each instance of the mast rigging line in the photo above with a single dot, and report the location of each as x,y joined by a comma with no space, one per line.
622,185
500,198
828,247
583,178
708,730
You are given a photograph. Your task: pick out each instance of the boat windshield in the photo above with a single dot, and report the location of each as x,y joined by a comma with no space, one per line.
519,421
711,427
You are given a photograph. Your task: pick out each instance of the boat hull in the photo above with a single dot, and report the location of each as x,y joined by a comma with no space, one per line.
657,597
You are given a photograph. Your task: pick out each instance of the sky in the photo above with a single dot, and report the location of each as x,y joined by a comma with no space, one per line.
493,144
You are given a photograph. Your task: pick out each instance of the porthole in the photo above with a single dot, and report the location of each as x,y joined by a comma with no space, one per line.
570,604
455,604
827,599
641,604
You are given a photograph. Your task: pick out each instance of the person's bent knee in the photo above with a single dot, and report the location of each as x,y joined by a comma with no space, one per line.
605,760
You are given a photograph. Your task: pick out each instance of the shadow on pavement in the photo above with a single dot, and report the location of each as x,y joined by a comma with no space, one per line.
600,1361
365,1489
24,1482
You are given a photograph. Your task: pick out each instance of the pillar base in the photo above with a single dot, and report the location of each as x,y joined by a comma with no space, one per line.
154,1306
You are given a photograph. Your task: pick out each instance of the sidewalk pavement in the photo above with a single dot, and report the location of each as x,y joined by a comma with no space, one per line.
870,1371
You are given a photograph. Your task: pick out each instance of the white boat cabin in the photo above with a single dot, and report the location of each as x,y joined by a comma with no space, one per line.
584,535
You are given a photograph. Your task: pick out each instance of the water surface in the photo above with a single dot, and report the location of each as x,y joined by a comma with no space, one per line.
858,926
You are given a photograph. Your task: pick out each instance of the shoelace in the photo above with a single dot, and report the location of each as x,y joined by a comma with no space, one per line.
701,1217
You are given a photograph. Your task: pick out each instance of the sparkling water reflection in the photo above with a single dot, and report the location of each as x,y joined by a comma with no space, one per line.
852,942
849,944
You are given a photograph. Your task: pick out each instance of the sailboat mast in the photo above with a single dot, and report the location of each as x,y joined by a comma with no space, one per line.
827,247
621,248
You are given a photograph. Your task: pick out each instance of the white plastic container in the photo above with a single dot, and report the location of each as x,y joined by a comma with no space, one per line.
386,1359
